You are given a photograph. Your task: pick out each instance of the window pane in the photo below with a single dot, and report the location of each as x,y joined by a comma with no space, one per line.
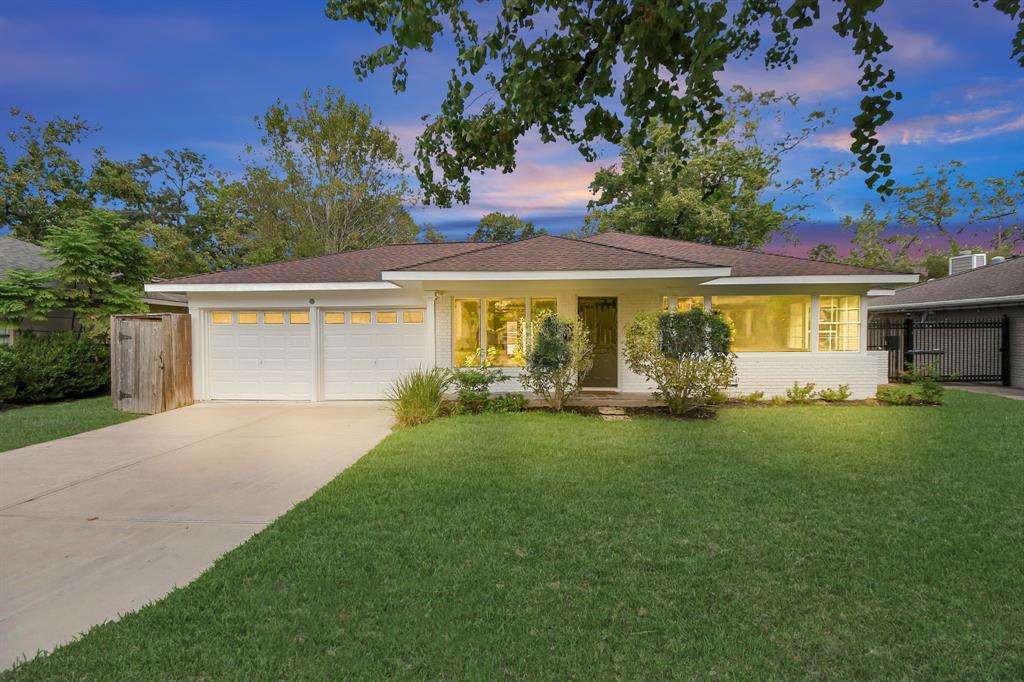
247,317
360,318
664,304
334,318
767,323
222,317
299,317
684,303
466,331
544,305
839,324
503,316
387,317
412,316
273,318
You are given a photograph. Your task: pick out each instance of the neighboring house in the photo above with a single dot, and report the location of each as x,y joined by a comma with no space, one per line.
980,293
18,255
345,326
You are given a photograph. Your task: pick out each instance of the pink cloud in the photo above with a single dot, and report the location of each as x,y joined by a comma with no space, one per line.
948,128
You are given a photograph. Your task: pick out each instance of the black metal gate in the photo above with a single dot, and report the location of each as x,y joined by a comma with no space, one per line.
965,350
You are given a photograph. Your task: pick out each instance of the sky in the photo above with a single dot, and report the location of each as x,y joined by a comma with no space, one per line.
158,75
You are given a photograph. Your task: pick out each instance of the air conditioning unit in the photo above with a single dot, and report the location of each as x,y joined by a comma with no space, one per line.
966,261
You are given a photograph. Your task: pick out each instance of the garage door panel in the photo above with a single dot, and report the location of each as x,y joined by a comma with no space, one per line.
260,361
362,361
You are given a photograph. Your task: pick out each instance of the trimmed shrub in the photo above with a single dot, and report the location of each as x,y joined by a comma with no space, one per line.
473,386
835,395
57,366
687,355
416,398
752,397
894,395
800,395
509,402
925,378
556,355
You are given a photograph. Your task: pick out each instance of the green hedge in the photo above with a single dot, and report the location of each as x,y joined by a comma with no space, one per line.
38,369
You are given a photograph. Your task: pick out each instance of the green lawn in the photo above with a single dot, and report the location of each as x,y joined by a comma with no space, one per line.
828,542
39,423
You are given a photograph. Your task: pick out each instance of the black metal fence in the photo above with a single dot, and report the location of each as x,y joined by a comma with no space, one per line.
965,350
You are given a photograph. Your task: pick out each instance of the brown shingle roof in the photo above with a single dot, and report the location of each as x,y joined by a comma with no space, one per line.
991,281
553,253
743,263
350,266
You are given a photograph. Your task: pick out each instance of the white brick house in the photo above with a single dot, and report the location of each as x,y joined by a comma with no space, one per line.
347,325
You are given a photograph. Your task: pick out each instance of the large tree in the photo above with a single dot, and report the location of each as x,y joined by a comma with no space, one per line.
101,266
327,179
592,70
723,191
503,227
935,216
181,204
42,183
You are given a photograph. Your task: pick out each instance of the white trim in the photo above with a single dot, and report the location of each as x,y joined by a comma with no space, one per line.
169,304
816,279
430,352
881,292
960,303
269,286
529,275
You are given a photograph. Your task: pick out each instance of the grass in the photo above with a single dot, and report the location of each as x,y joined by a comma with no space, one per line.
819,541
23,426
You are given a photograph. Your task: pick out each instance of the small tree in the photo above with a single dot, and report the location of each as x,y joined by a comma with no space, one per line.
556,354
687,355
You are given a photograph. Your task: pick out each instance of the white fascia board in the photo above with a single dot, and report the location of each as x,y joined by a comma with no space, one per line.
531,275
269,286
962,303
170,304
815,279
881,292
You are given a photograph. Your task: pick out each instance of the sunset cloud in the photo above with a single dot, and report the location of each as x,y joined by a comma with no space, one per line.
951,128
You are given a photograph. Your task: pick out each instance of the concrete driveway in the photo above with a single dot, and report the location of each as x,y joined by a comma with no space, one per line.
99,524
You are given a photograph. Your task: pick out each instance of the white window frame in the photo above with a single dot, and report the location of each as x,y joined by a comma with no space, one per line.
482,336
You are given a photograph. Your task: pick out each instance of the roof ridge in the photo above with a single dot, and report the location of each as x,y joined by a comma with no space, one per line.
484,247
563,238
736,248
643,253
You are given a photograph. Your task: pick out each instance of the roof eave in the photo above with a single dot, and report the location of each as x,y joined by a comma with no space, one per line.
535,275
866,278
959,303
229,287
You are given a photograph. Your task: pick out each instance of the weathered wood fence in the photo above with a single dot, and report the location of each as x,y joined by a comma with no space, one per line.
150,362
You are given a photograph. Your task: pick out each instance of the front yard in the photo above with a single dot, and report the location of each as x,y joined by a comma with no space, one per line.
21,426
820,541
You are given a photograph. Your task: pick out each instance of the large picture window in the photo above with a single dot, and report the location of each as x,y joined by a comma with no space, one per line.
839,324
489,328
767,323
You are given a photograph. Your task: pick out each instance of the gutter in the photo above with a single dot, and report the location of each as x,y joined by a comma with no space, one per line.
960,303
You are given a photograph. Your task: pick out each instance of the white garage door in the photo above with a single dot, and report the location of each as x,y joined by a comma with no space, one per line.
364,351
260,355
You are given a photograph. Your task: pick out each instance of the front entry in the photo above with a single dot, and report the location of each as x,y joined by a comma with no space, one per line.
601,315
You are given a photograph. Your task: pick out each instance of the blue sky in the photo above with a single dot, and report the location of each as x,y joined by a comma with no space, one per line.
193,74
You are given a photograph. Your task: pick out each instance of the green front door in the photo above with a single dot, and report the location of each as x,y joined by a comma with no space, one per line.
601,315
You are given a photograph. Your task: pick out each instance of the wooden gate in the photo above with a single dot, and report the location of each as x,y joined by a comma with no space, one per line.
150,362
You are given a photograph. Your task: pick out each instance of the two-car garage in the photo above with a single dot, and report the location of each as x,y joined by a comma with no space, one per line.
304,354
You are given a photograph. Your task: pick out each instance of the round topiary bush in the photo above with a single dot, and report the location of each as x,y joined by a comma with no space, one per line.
687,355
